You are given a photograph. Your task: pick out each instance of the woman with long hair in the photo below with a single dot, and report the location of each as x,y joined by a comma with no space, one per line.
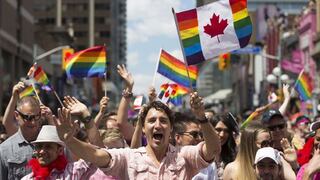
227,128
252,138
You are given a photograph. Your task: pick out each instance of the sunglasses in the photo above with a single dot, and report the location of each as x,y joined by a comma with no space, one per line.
29,117
266,143
194,134
279,127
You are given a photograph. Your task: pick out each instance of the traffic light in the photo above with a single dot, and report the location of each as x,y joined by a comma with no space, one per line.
224,61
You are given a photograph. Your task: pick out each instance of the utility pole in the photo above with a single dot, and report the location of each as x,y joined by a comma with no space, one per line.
91,23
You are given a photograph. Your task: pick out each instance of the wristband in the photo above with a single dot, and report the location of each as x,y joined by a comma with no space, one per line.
127,94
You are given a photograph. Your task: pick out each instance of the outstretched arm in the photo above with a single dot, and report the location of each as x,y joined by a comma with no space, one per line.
212,146
9,121
66,130
79,109
286,100
126,128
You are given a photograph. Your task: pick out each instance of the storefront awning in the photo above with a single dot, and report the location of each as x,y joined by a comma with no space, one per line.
218,96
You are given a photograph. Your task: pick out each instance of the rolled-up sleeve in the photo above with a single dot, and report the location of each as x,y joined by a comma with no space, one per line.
118,162
192,155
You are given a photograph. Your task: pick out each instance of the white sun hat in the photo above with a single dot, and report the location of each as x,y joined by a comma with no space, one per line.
48,133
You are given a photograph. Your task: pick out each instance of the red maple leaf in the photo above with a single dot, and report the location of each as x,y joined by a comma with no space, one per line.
216,27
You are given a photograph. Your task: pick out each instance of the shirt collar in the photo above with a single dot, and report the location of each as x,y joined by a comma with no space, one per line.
21,139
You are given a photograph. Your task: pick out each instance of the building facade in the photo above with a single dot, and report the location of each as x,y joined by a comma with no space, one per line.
89,23
16,44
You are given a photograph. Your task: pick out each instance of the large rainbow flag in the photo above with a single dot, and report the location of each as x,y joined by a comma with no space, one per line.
90,62
175,70
176,95
303,86
37,73
213,29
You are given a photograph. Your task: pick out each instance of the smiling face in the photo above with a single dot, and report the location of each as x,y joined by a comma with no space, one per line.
267,169
29,127
223,132
47,152
157,128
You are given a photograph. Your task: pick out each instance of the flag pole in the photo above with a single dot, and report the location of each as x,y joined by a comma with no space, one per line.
35,91
55,93
183,53
300,74
155,71
105,73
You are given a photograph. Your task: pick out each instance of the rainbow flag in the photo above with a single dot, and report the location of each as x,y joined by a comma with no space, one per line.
90,62
303,86
27,92
175,70
176,94
213,29
66,53
37,73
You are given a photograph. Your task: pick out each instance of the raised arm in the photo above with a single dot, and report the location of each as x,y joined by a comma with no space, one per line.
9,121
126,128
212,146
79,109
66,130
286,100
103,108
152,94
137,135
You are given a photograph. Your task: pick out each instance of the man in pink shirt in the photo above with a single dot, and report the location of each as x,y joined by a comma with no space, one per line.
159,159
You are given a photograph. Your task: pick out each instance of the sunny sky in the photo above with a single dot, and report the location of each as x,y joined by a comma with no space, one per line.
150,26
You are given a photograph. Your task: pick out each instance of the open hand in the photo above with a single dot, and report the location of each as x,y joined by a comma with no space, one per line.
18,88
290,154
123,72
65,127
75,106
152,94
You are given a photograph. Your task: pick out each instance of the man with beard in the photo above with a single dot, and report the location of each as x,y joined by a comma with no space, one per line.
267,164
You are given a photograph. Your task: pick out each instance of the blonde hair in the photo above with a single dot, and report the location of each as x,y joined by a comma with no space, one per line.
247,151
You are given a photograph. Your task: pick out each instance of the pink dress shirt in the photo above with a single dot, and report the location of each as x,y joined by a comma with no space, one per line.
74,171
179,163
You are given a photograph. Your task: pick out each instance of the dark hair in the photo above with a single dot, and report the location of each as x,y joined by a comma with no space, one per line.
228,150
181,120
158,106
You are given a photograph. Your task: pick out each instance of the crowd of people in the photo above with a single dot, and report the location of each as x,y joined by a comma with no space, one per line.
160,143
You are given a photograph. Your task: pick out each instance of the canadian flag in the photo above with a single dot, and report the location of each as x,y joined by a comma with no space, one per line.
137,103
165,97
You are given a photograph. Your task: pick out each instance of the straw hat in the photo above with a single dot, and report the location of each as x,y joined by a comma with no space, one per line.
48,133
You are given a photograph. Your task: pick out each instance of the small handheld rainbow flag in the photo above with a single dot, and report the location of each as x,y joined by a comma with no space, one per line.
213,29
90,62
27,92
303,86
175,97
176,71
37,73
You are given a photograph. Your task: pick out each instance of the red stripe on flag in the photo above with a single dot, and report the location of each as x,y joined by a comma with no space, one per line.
186,15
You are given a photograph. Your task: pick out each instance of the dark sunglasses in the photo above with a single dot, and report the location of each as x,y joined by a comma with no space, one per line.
29,117
279,127
194,134
266,143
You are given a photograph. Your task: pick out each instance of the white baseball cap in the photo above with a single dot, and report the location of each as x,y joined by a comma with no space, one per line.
268,152
48,133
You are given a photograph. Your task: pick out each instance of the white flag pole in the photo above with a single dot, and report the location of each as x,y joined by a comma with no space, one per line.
155,71
184,55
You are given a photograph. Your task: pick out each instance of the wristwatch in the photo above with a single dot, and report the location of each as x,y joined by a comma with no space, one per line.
203,120
86,120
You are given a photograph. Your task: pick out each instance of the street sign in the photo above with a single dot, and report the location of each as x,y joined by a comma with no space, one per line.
248,50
